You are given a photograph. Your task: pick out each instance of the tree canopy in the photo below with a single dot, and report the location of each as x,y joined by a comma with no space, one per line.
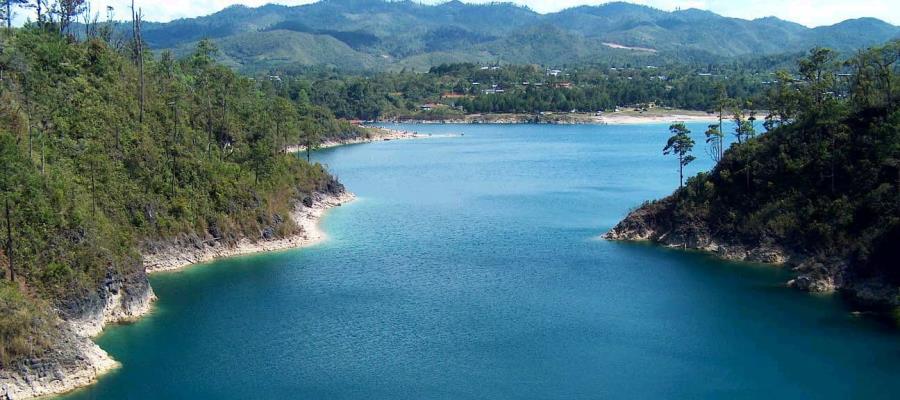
104,151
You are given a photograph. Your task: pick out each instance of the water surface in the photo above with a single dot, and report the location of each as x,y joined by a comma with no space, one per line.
470,268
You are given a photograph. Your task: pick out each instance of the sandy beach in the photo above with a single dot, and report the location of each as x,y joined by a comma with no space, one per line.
653,116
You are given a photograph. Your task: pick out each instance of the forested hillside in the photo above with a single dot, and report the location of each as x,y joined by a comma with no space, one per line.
449,90
820,189
104,148
392,35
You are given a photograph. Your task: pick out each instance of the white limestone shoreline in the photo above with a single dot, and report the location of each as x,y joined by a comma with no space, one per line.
86,362
376,134
307,218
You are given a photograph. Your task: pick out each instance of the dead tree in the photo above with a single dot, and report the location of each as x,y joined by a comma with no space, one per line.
9,242
136,19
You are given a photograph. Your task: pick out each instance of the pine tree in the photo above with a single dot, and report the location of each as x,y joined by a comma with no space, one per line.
681,145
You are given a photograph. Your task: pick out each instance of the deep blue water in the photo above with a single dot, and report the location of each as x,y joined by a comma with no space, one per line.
470,268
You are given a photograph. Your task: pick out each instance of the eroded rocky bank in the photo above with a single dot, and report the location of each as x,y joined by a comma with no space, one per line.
76,361
193,249
657,222
374,134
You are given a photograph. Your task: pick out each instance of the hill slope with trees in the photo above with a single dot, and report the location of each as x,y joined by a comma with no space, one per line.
820,190
106,150
398,34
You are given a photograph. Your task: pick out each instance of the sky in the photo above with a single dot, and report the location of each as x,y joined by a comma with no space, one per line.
807,12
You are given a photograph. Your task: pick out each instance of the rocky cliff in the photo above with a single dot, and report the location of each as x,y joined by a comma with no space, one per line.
191,249
75,360
660,222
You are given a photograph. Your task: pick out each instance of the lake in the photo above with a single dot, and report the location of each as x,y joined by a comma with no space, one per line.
470,268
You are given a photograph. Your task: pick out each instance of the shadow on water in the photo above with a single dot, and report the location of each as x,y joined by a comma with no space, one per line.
772,281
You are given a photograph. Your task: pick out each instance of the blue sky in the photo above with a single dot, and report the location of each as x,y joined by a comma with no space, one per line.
807,12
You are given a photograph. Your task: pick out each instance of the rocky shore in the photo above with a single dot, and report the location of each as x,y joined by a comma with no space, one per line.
77,361
187,251
374,134
656,222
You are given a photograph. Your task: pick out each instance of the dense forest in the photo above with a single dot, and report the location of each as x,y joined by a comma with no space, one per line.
823,183
105,147
366,35
449,90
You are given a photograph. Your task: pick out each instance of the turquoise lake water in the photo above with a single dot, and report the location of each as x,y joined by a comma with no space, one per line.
470,268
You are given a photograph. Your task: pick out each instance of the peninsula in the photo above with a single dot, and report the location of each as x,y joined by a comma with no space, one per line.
818,191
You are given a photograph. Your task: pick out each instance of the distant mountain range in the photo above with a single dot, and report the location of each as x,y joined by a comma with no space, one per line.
376,34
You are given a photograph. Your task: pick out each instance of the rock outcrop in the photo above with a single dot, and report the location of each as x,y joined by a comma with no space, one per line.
657,222
76,361
193,249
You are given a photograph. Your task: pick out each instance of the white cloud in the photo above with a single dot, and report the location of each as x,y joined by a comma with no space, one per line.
806,12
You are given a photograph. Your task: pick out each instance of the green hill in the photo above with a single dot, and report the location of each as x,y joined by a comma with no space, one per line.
264,50
101,162
820,190
397,34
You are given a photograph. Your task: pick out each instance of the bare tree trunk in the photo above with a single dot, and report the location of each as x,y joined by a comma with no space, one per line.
141,68
43,153
721,144
276,150
747,174
209,125
93,191
139,56
224,115
141,72
9,243
173,152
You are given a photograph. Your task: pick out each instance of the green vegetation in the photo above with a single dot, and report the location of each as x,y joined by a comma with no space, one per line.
376,34
26,325
105,149
680,145
824,182
450,90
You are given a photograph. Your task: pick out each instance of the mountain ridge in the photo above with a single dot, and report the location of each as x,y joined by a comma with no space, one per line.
398,34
